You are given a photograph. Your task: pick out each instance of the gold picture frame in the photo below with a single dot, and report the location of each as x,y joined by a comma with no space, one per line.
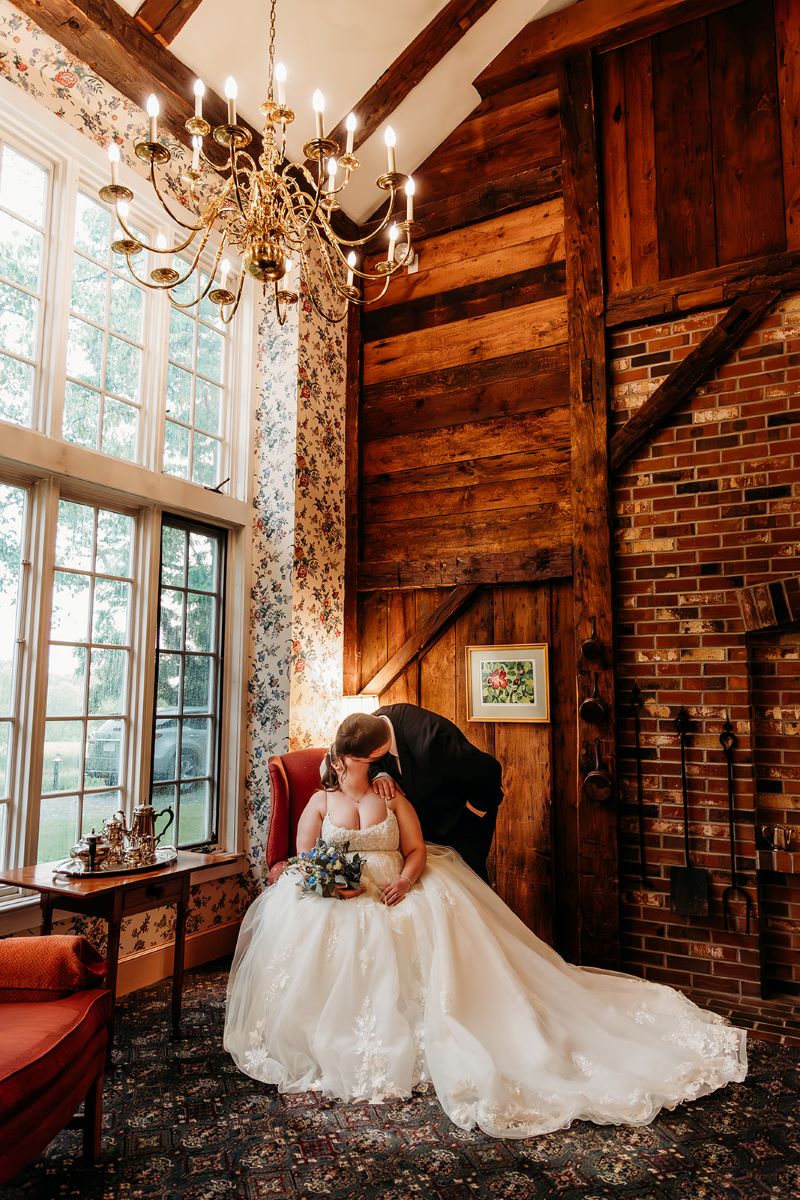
508,683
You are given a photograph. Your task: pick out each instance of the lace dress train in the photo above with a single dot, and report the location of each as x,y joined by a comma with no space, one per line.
450,988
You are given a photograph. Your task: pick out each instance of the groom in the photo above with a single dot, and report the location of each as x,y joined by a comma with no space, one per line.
455,788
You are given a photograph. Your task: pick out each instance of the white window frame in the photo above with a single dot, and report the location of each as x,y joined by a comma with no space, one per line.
39,458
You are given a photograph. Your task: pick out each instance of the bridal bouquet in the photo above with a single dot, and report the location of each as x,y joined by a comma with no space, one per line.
327,870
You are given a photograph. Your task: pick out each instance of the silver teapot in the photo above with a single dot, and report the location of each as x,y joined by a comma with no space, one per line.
137,845
92,851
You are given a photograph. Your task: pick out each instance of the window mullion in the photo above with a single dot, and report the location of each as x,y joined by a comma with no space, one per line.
144,617
57,296
38,611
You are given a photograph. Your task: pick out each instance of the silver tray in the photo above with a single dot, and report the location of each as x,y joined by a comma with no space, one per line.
74,868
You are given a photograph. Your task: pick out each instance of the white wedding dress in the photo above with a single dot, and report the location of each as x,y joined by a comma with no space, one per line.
366,1002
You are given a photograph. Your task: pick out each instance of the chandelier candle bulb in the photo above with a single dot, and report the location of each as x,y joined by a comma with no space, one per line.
332,167
152,112
392,242
350,125
280,82
231,92
390,138
196,144
113,158
410,189
319,108
351,263
199,92
225,271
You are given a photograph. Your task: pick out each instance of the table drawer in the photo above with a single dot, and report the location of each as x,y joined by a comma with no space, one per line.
152,894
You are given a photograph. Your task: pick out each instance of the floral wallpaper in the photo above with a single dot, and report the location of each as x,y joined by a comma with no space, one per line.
295,656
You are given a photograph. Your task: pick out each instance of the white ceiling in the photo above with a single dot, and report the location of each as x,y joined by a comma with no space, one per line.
343,47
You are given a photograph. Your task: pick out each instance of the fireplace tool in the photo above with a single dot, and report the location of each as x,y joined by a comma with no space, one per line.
688,884
727,739
637,703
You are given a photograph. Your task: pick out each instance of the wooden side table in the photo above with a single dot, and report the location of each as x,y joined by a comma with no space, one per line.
119,896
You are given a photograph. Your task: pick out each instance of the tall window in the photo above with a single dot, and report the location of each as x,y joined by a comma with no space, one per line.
111,644
188,677
23,216
12,521
86,728
105,350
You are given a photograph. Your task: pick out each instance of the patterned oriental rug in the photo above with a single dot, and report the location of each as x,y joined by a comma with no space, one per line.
182,1124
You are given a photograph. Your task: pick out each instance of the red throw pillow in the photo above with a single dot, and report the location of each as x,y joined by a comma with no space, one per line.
47,968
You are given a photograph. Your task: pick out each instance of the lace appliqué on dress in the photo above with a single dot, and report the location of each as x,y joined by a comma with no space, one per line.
372,1079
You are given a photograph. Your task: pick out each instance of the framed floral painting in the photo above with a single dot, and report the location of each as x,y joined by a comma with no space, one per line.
508,683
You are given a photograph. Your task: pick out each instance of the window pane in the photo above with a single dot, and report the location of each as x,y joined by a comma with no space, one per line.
81,415
6,730
176,450
104,748
194,814
168,684
18,316
21,250
210,352
97,808
61,771
165,749
181,338
66,681
196,747
127,308
16,390
120,429
111,612
88,289
114,543
200,632
170,627
179,394
75,535
70,619
202,561
205,468
12,515
23,186
92,227
58,827
173,555
85,352
208,406
123,369
107,680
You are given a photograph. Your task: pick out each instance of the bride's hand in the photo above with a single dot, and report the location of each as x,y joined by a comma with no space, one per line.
397,890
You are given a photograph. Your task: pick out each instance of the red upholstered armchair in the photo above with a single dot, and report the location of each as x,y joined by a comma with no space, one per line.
293,778
54,1015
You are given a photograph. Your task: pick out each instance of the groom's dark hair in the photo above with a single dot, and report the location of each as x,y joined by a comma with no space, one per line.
360,735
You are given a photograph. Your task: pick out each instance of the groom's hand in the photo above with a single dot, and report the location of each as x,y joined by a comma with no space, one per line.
384,786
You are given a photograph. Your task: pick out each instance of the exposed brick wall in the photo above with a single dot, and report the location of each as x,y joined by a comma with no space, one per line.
711,505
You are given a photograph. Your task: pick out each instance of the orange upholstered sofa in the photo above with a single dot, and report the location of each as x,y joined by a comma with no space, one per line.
54,1016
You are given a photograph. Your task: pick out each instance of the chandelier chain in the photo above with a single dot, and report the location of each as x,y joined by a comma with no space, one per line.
271,54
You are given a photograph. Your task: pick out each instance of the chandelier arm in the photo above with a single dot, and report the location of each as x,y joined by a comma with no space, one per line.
326,316
296,197
155,249
233,307
280,316
235,181
199,299
165,206
218,168
357,243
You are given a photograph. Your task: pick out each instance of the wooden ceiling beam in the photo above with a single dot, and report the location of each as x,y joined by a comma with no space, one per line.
164,19
122,52
590,25
419,58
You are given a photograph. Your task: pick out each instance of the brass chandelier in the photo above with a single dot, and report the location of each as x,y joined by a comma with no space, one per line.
272,212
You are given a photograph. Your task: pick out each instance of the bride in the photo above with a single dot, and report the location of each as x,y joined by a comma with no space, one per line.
427,977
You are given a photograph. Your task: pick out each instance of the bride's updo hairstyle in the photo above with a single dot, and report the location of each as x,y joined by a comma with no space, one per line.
359,735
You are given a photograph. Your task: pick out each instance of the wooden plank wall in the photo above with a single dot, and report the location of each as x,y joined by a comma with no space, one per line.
700,144
465,451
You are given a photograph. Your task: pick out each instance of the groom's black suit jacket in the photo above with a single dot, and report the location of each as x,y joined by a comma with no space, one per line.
440,769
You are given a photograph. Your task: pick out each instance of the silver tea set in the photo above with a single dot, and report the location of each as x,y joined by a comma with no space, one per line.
120,846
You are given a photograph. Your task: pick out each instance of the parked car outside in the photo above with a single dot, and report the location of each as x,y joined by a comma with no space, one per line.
104,747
